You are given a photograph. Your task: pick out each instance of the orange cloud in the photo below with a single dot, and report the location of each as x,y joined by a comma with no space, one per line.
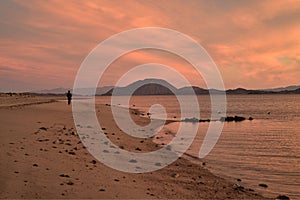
43,45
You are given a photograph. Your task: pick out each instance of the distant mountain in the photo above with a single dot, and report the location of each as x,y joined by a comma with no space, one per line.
280,89
162,87
144,87
52,91
195,90
82,91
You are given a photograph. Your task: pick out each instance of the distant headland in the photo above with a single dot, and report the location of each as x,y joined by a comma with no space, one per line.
162,87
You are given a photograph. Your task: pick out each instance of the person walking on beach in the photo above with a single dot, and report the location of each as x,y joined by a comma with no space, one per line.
69,95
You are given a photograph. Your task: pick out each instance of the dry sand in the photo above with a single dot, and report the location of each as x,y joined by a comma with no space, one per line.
42,157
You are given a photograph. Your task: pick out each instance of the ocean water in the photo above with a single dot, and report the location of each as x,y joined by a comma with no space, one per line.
264,150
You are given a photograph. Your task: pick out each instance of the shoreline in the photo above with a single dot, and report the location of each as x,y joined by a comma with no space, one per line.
40,137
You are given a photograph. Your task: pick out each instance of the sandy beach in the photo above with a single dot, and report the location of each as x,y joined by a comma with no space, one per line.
43,157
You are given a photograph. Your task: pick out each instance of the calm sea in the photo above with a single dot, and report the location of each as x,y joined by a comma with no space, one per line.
264,150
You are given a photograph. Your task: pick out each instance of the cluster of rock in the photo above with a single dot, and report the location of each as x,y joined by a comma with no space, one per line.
222,119
234,119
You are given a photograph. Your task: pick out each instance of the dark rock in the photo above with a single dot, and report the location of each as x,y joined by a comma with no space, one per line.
93,161
70,183
64,175
138,149
204,120
101,190
193,120
283,197
239,180
35,165
250,118
231,119
238,187
43,128
174,175
263,185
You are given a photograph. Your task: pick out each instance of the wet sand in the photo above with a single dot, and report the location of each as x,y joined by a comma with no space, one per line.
43,157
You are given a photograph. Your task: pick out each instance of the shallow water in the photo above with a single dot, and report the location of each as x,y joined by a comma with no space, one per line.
265,150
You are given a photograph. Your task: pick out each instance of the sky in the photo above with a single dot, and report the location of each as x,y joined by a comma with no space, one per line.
254,43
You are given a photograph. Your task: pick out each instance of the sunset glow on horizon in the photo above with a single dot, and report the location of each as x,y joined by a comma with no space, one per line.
255,44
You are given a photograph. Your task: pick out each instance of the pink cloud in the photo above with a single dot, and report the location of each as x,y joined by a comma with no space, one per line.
44,45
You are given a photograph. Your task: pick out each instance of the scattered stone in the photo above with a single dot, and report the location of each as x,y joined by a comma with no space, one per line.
239,180
200,183
263,185
204,120
133,161
117,180
16,172
43,128
283,197
231,119
64,175
35,165
138,149
250,118
102,190
238,187
70,183
174,175
71,152
93,161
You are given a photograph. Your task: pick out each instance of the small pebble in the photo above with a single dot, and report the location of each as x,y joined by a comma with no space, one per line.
282,197
138,149
70,183
174,175
263,185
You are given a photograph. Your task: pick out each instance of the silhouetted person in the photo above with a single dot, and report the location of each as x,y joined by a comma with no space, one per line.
69,95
